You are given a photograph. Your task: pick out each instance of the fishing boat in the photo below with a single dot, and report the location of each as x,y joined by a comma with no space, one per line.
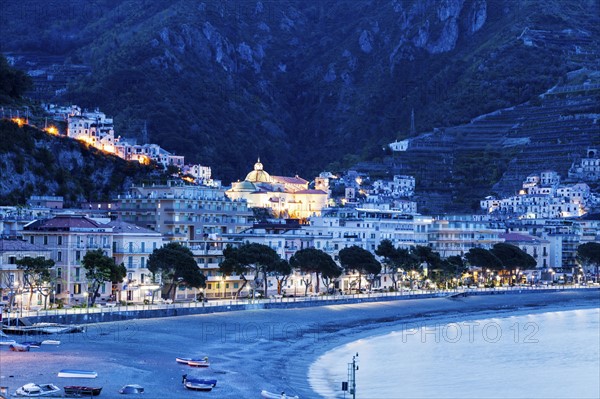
197,386
77,390
131,388
19,348
199,363
32,344
203,381
4,340
271,395
35,390
69,373
186,360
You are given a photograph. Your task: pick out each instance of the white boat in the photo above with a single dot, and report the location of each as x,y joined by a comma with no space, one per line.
7,341
199,363
271,395
198,386
35,390
68,373
50,342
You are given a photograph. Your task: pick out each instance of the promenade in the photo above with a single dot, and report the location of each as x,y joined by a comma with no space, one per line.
104,313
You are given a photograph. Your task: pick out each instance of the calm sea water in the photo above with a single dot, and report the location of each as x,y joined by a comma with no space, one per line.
543,355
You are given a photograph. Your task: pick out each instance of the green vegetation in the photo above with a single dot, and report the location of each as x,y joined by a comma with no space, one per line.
181,67
41,164
256,260
13,83
177,266
101,269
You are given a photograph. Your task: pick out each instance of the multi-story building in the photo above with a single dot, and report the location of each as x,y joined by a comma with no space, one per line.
12,286
456,235
195,216
69,237
287,197
588,168
543,198
132,245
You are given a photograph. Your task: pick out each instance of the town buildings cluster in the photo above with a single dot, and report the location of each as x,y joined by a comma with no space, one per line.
544,220
97,130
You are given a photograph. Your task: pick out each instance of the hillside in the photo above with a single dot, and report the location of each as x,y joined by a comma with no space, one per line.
300,83
457,166
33,162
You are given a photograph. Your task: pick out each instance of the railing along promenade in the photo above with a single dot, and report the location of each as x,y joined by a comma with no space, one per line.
130,311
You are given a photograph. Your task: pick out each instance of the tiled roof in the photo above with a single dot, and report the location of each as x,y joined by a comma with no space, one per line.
119,226
289,180
64,222
513,237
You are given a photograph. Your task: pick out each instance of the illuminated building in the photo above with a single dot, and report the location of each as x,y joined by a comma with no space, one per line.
287,197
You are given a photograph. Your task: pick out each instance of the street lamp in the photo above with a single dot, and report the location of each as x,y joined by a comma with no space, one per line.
85,295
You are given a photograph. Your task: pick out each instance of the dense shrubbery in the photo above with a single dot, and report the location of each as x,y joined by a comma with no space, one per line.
35,163
13,83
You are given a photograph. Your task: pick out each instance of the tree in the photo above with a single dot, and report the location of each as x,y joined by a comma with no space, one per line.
390,256
176,266
99,270
513,257
36,275
483,258
395,259
357,259
256,259
281,271
312,260
588,255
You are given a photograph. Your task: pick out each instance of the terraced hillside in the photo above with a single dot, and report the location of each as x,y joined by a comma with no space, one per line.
455,167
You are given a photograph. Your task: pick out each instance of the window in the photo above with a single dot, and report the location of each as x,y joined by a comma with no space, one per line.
76,289
58,288
59,272
142,276
142,262
45,240
77,270
31,240
77,255
59,240
59,256
130,262
209,286
12,260
143,247
130,247
236,285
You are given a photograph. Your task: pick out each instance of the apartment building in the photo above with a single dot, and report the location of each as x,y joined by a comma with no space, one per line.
69,237
198,217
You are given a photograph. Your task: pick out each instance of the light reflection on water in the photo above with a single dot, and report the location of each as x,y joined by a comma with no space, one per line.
543,355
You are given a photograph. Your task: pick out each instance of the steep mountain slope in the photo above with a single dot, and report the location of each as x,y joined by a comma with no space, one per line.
303,83
33,162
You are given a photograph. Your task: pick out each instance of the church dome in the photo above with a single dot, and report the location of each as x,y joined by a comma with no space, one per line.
258,174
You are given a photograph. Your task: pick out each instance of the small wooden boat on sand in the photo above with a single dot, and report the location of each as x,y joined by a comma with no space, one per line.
203,381
32,390
199,363
77,390
68,373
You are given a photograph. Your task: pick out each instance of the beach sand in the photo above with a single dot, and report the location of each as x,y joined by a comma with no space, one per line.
249,350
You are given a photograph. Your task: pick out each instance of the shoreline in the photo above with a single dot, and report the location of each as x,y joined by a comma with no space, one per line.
249,350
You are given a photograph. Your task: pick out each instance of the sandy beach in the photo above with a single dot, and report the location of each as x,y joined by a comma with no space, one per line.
248,350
